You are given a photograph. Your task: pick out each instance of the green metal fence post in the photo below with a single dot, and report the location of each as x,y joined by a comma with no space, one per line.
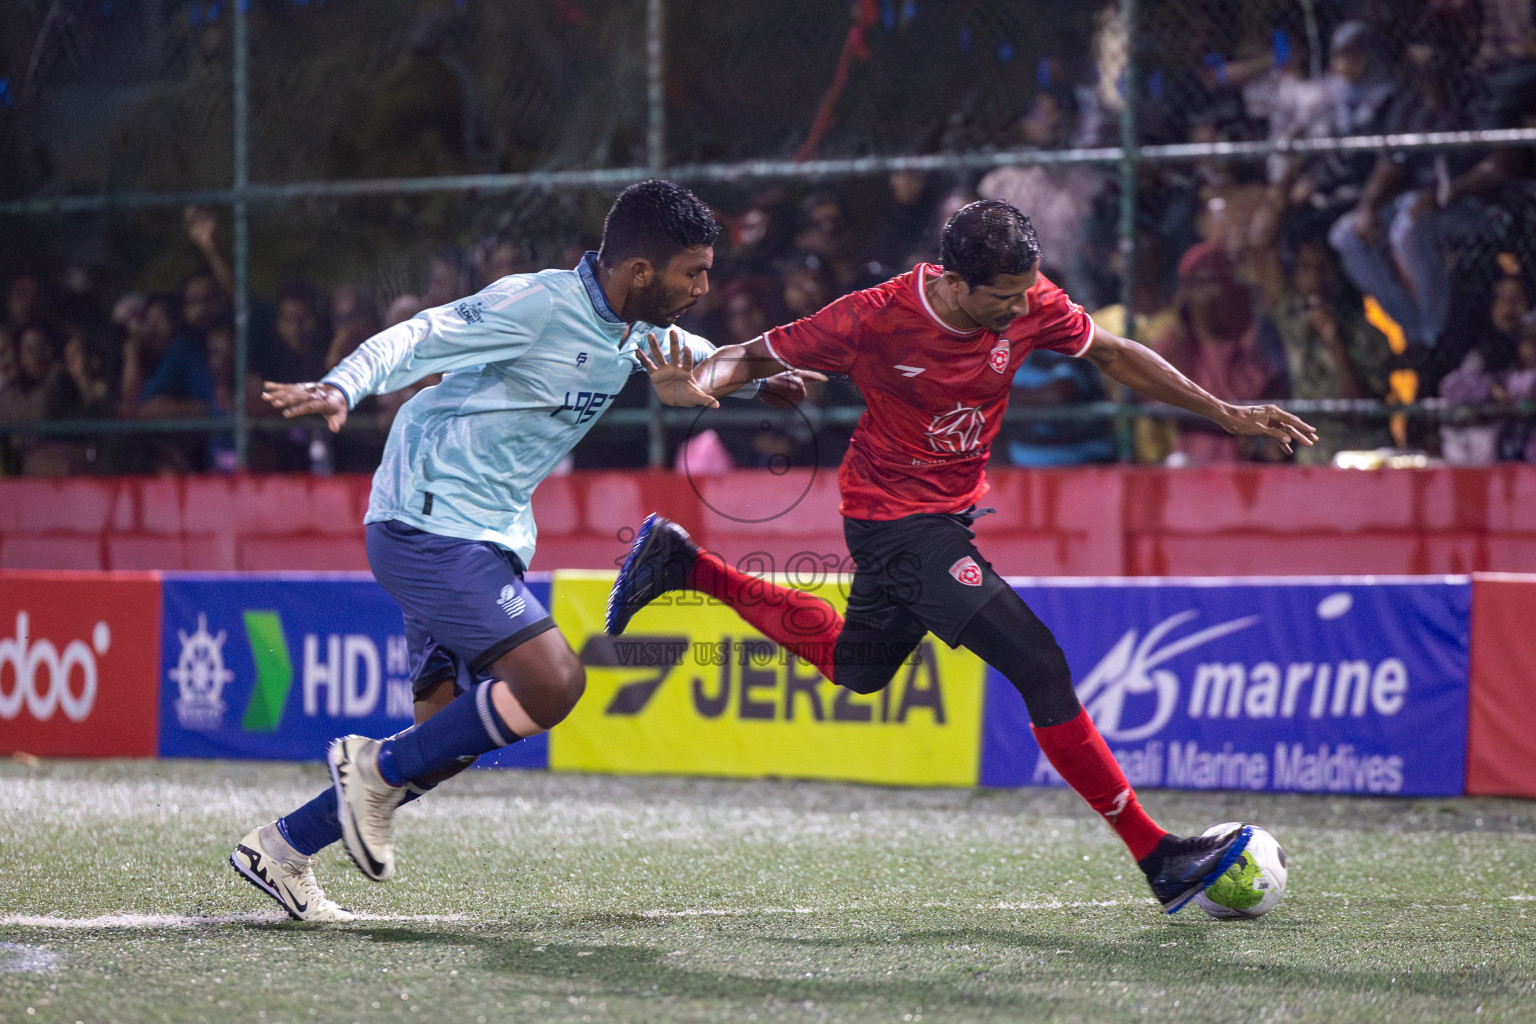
1128,157
242,241
656,164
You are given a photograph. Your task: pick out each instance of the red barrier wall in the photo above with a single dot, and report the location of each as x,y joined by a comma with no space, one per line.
1111,521
1501,710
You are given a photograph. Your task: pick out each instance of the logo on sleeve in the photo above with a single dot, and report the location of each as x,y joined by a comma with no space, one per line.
473,312
999,356
967,571
910,371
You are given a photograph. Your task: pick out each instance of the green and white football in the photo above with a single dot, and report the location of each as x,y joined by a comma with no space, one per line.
1254,884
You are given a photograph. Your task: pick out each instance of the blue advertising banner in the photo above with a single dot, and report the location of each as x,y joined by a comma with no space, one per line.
1352,685
274,667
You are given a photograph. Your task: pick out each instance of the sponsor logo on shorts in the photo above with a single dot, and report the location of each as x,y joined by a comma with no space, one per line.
511,602
967,571
910,371
998,357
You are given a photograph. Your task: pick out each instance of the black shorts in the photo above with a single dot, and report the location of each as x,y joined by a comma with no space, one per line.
920,571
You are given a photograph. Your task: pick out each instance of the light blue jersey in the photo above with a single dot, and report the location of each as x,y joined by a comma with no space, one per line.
529,363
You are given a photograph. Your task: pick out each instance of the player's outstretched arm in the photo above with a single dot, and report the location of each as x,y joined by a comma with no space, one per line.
734,366
305,399
1149,374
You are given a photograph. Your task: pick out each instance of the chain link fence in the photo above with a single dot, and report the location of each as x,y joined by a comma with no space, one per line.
348,161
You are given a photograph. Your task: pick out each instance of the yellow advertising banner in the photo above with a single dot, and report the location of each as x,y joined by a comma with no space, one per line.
691,689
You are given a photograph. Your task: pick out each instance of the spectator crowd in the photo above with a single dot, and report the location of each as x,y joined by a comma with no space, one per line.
1390,276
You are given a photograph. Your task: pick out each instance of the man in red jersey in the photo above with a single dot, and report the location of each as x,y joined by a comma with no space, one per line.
934,352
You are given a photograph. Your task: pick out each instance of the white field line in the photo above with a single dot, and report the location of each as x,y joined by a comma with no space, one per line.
1026,905
156,921
727,912
1067,905
153,921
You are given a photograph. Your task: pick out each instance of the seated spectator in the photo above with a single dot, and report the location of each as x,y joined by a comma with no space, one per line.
1152,439
354,319
808,286
1056,198
295,351
1051,379
448,280
901,225
222,455
165,370
1397,242
1480,378
7,355
1519,385
40,390
83,365
1214,343
498,256
752,306
824,233
27,303
760,237
1331,352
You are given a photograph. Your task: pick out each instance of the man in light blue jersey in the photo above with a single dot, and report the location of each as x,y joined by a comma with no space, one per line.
529,364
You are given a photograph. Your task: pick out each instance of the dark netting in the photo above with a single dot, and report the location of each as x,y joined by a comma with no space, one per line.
134,101
807,78
114,94
401,88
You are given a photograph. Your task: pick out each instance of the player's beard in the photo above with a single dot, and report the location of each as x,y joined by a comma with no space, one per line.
656,304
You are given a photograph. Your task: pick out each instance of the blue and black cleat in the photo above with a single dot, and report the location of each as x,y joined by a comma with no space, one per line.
1180,869
659,560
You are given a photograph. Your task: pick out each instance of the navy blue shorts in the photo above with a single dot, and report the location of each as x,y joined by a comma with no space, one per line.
464,601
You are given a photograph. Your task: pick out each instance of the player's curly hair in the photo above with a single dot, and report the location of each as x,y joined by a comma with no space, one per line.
655,220
988,238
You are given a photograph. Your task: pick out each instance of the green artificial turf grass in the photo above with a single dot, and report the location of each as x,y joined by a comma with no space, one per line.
530,896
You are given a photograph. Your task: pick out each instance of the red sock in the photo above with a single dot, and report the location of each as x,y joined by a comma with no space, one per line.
1077,751
801,623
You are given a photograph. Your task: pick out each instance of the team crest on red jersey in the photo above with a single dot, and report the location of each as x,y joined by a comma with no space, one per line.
967,571
958,430
998,357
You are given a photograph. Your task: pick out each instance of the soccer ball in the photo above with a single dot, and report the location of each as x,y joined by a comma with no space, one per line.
1252,886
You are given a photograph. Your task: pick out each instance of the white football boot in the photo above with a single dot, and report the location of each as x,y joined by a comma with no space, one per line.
366,805
265,859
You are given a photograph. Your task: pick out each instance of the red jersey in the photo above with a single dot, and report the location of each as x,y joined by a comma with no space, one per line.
935,395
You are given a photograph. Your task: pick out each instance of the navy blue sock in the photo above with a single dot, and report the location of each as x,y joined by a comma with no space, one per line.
468,727
315,826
